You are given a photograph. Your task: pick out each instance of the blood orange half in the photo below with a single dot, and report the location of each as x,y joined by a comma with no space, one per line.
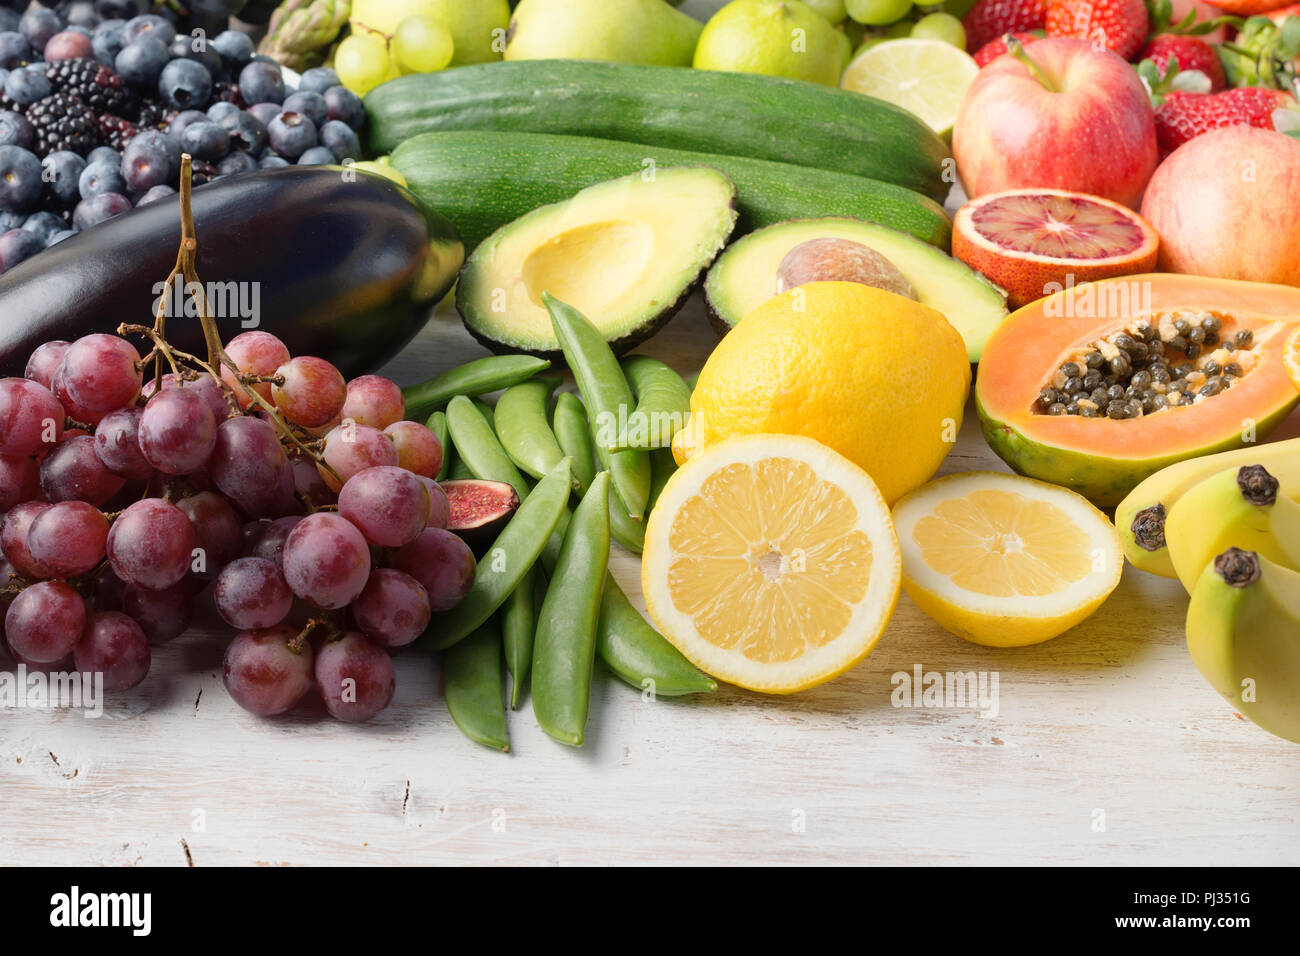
1033,242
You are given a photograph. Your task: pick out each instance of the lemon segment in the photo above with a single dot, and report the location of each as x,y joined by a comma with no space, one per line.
771,563
928,78
1003,560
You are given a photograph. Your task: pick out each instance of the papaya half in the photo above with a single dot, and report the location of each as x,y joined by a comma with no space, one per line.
1102,384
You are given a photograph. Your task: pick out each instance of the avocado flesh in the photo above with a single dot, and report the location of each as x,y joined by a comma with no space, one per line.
744,277
625,253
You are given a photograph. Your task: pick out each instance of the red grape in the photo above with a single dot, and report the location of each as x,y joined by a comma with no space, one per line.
151,544
269,537
68,538
20,480
73,472
313,391
389,505
102,372
177,431
45,361
374,401
355,678
45,621
247,458
115,646
263,674
31,417
217,530
326,560
206,386
254,353
443,563
251,593
393,609
439,506
418,449
308,483
162,614
13,538
75,411
351,448
275,500
109,590
117,444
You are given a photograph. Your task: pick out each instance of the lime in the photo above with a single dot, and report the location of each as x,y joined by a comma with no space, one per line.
832,10
877,13
940,26
924,77
421,45
772,37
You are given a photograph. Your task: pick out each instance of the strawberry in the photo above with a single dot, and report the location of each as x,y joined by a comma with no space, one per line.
1116,25
989,19
1184,116
1192,53
995,48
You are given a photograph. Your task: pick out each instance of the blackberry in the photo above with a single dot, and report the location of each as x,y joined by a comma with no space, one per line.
94,84
63,121
226,92
151,116
116,131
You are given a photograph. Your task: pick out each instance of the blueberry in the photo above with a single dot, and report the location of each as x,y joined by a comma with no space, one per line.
316,156
149,25
346,106
108,39
104,154
291,134
272,161
183,119
15,50
264,112
341,140
169,144
58,237
15,130
148,167
91,212
161,191
317,80
261,82
186,84
311,105
25,87
11,220
15,246
221,109
38,25
81,13
62,175
206,140
20,179
236,163
44,224
234,48
247,133
99,178
8,20
141,61
183,48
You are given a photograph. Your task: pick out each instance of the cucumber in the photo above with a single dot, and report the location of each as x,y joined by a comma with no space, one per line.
481,181
734,114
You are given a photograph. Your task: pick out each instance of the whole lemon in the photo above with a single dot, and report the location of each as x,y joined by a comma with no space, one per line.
773,37
878,377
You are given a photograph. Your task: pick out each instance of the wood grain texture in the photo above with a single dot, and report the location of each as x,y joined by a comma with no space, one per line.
1110,717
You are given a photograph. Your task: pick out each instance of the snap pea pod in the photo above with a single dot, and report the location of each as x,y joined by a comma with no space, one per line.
471,674
606,392
518,629
437,424
489,414
508,561
476,444
663,403
662,467
522,427
625,529
473,378
573,434
565,649
458,470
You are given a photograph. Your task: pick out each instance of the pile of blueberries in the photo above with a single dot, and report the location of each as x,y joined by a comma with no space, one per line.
95,113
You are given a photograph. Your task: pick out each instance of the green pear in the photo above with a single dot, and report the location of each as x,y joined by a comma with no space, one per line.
625,31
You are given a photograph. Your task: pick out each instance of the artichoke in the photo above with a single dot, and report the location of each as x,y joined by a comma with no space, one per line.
301,31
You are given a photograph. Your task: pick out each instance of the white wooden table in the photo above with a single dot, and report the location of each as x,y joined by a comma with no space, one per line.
1108,748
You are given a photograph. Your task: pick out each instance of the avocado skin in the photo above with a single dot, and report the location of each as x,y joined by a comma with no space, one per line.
342,263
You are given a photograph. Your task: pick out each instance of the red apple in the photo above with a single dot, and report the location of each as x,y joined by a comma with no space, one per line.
1225,203
1061,115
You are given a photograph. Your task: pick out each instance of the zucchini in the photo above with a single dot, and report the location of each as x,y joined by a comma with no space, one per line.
481,181
734,114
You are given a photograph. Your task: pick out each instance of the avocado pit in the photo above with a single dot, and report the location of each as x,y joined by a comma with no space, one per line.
840,260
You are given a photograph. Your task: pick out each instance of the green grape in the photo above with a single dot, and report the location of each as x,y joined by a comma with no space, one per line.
877,13
421,45
941,26
899,30
362,62
832,10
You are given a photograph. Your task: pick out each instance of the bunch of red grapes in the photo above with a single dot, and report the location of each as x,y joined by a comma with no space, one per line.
315,518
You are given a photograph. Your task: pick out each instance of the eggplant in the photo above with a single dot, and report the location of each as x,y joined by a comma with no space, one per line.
339,264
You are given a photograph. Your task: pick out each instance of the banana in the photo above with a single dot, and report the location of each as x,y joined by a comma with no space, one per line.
1243,632
1237,508
1140,518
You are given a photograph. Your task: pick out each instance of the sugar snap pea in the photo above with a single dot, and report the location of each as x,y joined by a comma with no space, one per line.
507,562
573,433
477,445
458,470
565,649
522,427
607,394
437,424
473,378
663,403
662,467
471,675
518,629
625,529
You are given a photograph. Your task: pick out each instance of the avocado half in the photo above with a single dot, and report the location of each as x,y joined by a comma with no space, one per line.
626,253
744,277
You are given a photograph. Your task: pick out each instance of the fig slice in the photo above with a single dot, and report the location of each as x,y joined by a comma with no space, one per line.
479,509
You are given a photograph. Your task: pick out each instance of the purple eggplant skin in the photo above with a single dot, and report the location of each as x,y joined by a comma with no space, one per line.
339,264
